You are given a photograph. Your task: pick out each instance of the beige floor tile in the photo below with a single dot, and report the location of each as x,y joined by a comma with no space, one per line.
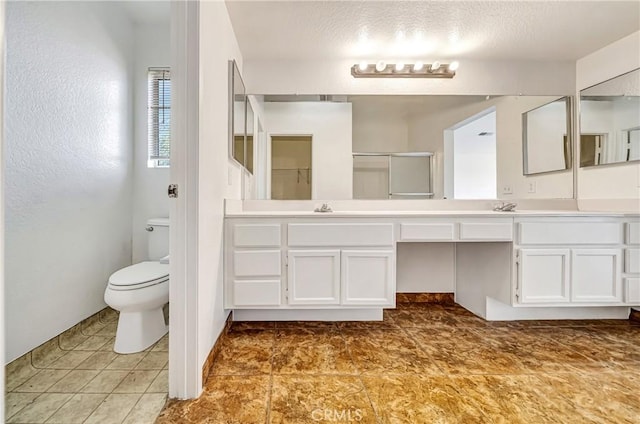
153,361
93,343
14,402
108,330
147,409
113,409
137,381
46,354
41,408
160,384
108,315
19,371
109,345
71,360
71,338
97,361
162,345
42,381
78,409
73,382
105,382
92,325
126,362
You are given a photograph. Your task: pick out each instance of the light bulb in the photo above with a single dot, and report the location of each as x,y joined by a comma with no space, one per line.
399,66
454,65
363,66
381,66
435,66
418,66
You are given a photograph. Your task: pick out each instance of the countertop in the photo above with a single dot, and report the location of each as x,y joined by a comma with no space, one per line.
425,213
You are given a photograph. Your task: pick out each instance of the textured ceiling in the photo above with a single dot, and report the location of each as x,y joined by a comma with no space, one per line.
394,30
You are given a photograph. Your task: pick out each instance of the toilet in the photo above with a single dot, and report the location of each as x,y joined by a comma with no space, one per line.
140,291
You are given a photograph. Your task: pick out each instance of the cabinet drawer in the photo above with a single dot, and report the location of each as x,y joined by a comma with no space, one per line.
632,290
633,232
256,235
340,234
632,261
256,263
256,293
486,231
427,232
570,233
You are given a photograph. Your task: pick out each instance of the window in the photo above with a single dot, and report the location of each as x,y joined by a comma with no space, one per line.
159,117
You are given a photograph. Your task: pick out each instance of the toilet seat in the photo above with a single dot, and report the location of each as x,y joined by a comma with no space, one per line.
140,275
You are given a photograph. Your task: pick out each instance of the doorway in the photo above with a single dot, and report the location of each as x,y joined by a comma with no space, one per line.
470,155
291,167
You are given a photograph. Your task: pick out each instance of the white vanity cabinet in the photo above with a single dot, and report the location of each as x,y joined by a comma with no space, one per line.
572,261
631,271
309,263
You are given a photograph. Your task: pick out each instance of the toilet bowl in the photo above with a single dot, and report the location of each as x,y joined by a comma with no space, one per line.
139,292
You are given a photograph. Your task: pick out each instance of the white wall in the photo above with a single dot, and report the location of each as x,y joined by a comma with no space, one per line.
68,164
473,77
546,128
2,316
217,46
151,46
621,181
329,124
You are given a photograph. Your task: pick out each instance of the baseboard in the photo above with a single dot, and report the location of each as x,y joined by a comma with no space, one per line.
435,298
217,346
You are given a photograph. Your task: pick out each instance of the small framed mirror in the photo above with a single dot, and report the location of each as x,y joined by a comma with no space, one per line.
546,137
610,121
237,114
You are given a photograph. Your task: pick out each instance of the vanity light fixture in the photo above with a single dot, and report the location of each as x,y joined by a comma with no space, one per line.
381,69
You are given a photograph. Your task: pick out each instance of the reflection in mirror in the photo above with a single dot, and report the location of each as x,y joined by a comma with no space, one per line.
291,167
248,148
237,109
471,148
610,121
546,137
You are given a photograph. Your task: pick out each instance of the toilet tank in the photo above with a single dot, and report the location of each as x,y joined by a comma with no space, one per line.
157,238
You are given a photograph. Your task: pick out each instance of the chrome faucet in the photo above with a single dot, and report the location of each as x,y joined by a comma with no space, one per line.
504,207
324,208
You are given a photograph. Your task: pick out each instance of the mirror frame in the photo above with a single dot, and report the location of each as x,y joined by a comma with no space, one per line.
568,144
234,75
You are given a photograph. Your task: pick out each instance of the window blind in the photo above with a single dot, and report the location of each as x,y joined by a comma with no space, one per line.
159,115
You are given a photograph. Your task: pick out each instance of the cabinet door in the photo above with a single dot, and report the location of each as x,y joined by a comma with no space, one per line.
368,277
595,275
543,276
314,277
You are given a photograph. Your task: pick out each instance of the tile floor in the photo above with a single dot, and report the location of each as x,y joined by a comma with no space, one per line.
77,378
422,364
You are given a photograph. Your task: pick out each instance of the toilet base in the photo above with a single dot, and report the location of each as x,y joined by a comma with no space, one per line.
139,330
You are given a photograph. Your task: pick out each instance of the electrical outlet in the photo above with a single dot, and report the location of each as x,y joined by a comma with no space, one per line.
507,189
532,187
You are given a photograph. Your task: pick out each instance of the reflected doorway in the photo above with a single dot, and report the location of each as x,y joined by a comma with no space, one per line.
291,167
471,167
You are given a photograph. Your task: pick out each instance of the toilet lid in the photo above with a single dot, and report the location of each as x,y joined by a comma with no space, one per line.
142,273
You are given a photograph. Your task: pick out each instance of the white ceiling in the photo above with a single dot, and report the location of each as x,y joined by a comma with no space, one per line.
430,30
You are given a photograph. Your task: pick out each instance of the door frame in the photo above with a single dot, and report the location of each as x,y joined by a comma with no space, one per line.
185,374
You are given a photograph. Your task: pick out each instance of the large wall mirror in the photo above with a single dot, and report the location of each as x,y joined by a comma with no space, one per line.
610,121
546,137
406,147
240,120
